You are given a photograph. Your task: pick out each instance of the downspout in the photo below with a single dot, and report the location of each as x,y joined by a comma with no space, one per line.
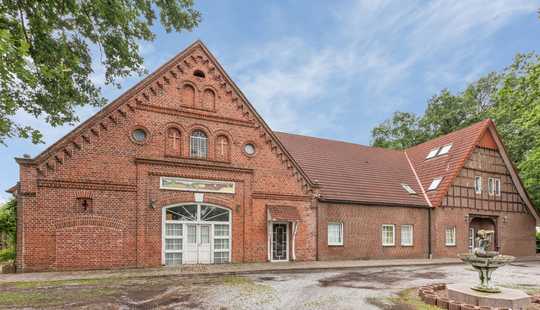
430,253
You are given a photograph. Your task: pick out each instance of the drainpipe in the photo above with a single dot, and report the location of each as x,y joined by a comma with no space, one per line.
430,254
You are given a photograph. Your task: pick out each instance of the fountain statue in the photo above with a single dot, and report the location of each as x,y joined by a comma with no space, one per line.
485,261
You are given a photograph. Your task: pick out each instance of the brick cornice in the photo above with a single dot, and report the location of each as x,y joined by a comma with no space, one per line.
275,196
89,185
190,163
194,115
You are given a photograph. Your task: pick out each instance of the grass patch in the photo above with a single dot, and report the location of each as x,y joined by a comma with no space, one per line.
56,283
55,297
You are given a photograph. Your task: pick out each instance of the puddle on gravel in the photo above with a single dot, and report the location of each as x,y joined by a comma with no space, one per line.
360,280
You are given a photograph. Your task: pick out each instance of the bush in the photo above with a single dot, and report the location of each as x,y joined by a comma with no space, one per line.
8,221
538,236
7,254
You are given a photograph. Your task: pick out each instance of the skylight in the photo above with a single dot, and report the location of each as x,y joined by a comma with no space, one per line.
445,149
435,183
408,189
432,153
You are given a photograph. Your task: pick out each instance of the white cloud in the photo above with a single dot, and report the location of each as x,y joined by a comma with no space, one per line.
376,46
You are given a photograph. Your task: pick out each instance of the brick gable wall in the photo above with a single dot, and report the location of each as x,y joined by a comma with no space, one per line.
120,178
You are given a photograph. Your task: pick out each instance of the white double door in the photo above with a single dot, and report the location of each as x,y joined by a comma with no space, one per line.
198,248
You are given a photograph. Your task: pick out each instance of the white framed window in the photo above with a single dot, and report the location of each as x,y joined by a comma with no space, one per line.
407,235
435,183
450,236
409,189
445,149
388,234
432,153
497,186
478,184
471,238
335,233
491,186
198,144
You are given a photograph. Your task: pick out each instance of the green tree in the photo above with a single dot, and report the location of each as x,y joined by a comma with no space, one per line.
400,131
46,53
8,220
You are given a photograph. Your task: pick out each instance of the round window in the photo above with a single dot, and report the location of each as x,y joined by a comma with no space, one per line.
139,135
249,149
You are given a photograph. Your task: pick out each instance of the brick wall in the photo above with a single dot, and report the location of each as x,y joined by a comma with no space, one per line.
362,226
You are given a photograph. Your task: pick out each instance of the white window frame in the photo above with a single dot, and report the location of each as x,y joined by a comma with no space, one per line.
408,188
435,184
471,238
491,186
478,184
411,243
432,153
340,242
497,186
445,149
383,241
198,144
450,241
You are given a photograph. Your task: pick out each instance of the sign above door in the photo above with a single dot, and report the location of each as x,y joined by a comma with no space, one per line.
196,185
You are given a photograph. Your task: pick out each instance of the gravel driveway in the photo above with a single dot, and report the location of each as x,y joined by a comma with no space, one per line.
366,288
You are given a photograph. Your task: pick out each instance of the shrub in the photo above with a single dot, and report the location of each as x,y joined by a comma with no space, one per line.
7,254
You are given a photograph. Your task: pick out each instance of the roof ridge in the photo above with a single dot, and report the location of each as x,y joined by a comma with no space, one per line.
486,122
339,141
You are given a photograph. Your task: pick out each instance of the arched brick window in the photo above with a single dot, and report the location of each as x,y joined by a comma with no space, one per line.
222,148
198,144
173,146
188,95
209,99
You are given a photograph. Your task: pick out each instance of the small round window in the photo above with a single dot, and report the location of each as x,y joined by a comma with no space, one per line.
249,148
139,135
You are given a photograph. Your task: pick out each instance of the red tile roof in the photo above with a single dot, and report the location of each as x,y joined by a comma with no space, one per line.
352,172
447,166
357,173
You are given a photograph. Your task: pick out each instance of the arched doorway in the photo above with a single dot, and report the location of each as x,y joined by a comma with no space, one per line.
196,233
482,223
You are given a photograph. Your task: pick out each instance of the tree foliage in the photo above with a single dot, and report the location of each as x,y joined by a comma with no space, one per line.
511,98
8,220
47,48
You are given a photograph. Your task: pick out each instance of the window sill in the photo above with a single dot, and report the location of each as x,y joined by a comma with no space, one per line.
450,245
336,245
407,245
388,245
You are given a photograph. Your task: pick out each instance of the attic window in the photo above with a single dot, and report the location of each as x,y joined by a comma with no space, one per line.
199,73
408,189
435,183
432,153
445,149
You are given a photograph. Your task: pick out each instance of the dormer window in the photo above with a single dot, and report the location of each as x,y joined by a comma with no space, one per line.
409,189
445,149
432,153
435,183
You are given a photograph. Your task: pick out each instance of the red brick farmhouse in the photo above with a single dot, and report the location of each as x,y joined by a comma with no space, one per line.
182,170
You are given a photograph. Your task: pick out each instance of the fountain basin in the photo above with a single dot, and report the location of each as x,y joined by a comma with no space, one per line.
485,266
506,298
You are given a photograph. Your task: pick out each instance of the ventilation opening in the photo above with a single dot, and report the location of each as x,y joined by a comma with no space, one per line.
199,73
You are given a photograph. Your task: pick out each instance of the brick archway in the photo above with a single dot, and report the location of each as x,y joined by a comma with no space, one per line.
481,222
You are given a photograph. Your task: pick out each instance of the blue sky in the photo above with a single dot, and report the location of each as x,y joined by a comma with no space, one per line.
335,69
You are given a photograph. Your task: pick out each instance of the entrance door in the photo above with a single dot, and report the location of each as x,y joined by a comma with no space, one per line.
191,248
205,251
280,242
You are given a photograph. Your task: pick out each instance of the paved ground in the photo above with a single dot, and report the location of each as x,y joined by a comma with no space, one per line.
360,288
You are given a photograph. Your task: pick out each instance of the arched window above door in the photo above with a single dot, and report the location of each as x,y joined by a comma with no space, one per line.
198,144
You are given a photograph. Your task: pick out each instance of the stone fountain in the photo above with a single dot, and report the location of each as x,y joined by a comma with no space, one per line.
486,293
485,261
